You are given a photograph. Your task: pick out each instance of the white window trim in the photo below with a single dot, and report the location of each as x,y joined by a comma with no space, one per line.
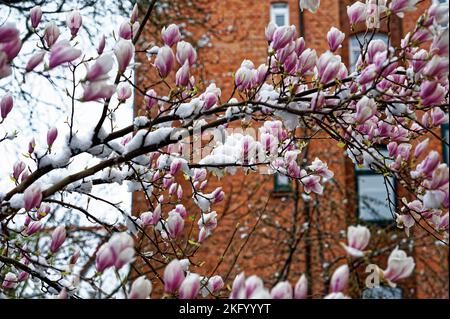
274,11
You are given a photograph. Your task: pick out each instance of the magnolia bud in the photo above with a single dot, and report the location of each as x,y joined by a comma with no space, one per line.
173,276
171,35
140,289
190,287
124,51
32,197
51,33
62,52
6,105
52,134
35,16
74,22
58,238
164,61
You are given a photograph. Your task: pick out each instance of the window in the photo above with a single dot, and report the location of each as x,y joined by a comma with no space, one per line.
445,137
355,49
279,14
282,183
372,195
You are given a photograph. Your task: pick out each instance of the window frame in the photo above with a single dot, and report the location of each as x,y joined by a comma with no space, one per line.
369,172
274,11
278,188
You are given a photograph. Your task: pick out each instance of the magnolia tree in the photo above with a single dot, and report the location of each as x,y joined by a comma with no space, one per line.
397,96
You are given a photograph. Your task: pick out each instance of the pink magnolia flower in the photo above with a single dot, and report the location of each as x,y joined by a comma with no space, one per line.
358,238
321,168
328,67
237,286
186,53
439,177
406,221
437,67
125,30
339,279
18,168
8,32
301,288
173,276
74,21
215,284
429,164
101,44
190,287
438,116
51,34
23,275
365,109
6,105
217,195
34,61
34,227
182,75
10,46
282,290
311,5
180,209
32,197
62,52
399,7
270,30
97,90
245,76
164,61
171,35
175,224
431,93
283,36
124,51
419,60
104,258
58,238
208,221
399,267
10,281
150,98
261,73
210,99
311,183
122,247
421,147
124,92
35,16
99,70
140,289
440,43
335,37
306,61
118,251
356,12
134,14
52,134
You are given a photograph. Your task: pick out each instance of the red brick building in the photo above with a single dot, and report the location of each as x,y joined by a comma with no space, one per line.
274,231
